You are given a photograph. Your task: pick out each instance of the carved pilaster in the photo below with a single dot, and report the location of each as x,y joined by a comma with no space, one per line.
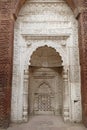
25,96
65,95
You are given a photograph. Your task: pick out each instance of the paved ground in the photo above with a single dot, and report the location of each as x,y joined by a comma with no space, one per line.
46,123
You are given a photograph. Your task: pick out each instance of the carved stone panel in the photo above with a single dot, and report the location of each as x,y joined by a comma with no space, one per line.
39,24
45,92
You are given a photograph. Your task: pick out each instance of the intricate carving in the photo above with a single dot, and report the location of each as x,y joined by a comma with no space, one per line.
45,91
43,99
25,96
65,95
37,27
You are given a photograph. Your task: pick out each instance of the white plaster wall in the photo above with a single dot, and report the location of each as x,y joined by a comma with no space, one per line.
50,23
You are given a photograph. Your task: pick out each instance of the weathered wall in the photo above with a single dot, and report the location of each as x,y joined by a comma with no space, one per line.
83,60
6,54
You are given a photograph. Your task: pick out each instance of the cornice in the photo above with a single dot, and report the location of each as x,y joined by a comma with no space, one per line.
46,37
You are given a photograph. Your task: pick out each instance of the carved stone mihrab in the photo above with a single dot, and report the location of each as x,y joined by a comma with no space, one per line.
50,24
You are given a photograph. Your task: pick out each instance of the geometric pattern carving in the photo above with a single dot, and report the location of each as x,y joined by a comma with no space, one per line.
45,91
44,102
43,97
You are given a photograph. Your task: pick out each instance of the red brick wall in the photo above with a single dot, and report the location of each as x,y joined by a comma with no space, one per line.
83,59
6,54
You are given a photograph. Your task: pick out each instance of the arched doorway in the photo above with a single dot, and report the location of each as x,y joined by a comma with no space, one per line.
45,82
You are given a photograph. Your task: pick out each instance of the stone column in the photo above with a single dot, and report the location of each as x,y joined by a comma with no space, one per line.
25,96
65,95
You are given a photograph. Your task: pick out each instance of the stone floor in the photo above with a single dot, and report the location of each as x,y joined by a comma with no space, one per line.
46,123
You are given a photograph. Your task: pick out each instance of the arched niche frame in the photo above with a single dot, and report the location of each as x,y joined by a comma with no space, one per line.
33,48
27,63
77,7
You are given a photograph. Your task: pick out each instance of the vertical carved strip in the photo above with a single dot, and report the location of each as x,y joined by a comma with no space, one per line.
65,96
25,96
